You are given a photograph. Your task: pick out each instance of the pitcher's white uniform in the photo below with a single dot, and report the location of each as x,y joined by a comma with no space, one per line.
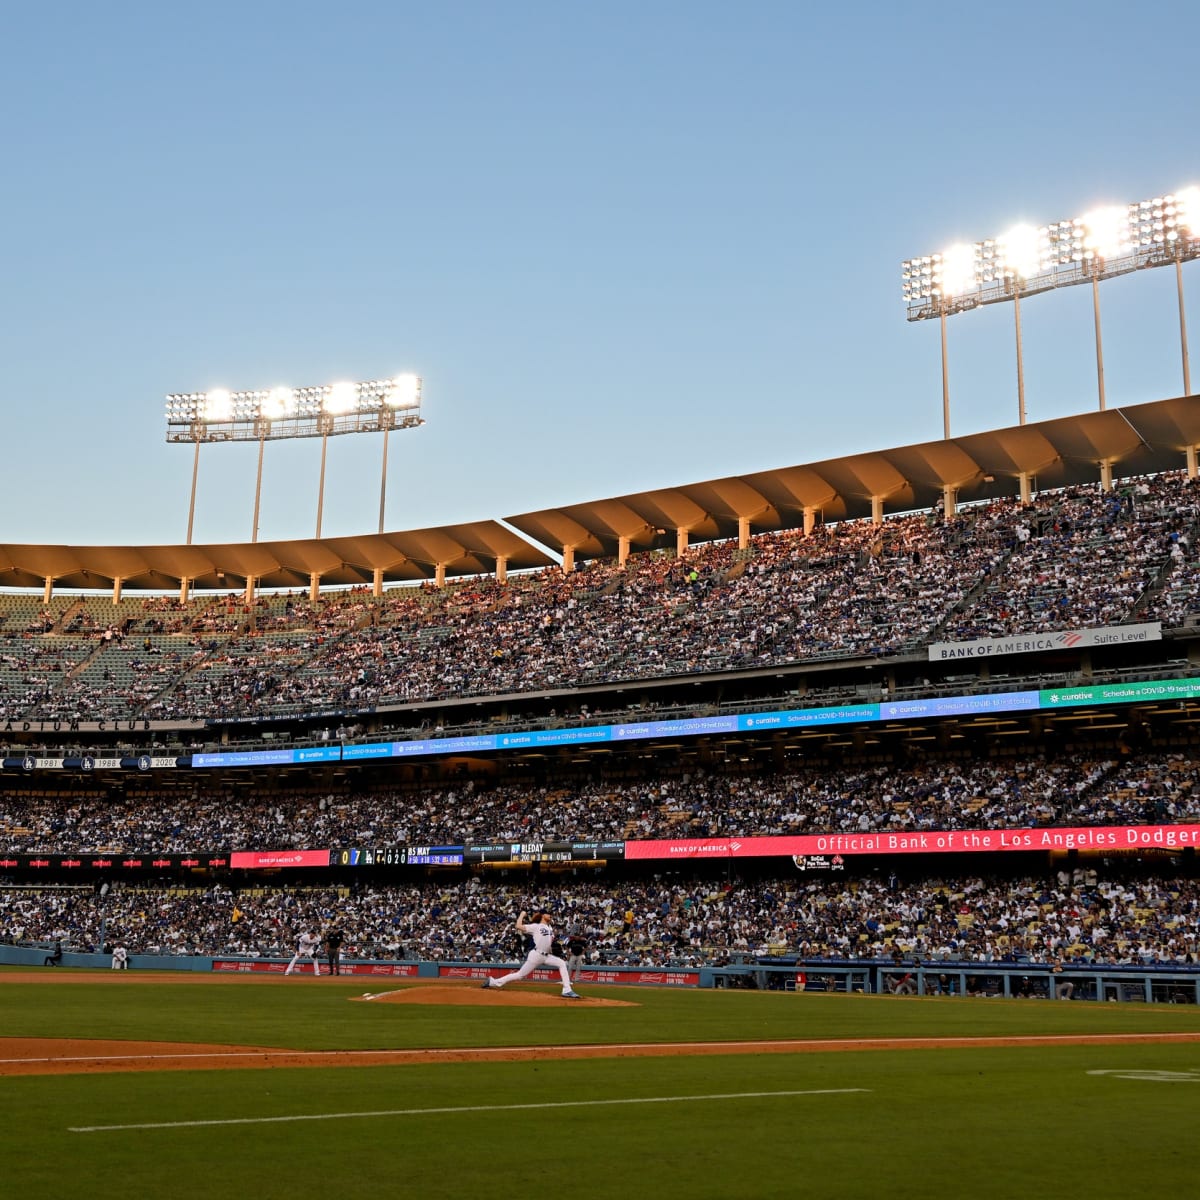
542,933
308,947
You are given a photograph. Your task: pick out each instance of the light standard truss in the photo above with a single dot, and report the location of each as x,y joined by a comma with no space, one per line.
282,412
1105,243
375,406
1102,244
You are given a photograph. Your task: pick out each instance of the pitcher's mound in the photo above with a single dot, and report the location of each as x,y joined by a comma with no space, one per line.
472,993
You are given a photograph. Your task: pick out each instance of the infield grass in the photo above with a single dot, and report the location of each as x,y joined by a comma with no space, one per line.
325,1014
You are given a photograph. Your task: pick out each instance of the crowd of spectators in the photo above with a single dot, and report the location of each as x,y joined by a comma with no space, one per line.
1077,558
1017,793
1066,917
1086,560
1074,558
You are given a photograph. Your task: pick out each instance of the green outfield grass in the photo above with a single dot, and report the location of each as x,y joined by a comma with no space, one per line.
976,1122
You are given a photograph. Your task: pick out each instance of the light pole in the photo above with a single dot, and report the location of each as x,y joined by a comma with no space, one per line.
1020,360
195,474
1183,345
1099,340
387,419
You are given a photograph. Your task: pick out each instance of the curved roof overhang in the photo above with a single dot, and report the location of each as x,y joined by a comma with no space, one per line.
457,550
1133,440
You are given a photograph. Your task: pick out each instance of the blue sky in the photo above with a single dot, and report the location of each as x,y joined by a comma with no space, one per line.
625,245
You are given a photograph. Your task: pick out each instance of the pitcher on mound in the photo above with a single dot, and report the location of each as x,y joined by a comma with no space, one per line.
542,933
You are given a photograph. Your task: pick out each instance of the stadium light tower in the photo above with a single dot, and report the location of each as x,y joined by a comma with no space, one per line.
1103,244
377,406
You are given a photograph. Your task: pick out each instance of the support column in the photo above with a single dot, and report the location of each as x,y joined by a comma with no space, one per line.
314,586
681,542
810,520
49,590
876,510
321,484
1183,345
1106,476
377,582
743,533
623,551
568,560
945,379
1020,357
185,589
949,501
117,590
258,489
383,478
249,589
1026,492
439,575
501,570
192,501
1099,342
1191,462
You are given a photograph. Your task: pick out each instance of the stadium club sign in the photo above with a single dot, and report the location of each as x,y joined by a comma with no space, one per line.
78,725
1033,643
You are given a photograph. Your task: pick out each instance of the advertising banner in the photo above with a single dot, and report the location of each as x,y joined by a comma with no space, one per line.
663,978
1033,643
958,841
918,708
1120,693
259,860
264,966
111,861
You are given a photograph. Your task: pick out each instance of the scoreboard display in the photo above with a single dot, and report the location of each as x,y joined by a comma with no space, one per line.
398,856
544,852
490,852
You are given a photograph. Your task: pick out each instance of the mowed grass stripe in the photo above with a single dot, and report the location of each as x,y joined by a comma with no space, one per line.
469,1108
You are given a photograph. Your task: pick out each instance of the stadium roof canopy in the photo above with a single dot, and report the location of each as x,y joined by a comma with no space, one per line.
1139,439
472,549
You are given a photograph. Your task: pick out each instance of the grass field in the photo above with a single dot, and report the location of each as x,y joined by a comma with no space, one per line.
1055,1119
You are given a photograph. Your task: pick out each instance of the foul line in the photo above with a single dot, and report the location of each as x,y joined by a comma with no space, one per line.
200,1054
473,1108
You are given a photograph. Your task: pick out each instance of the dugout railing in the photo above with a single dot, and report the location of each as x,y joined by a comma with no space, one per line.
1136,983
1120,984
